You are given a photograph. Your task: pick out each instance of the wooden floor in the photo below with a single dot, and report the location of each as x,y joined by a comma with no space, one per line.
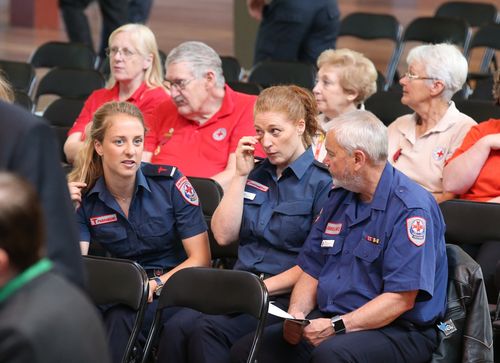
209,21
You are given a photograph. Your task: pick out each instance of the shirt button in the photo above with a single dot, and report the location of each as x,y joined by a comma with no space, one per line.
261,222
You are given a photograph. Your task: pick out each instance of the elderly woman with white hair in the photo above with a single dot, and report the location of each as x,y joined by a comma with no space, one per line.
421,143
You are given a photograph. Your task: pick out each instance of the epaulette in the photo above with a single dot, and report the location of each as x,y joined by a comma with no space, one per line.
320,165
158,170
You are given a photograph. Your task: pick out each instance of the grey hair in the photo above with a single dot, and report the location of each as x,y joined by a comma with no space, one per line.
200,58
444,62
361,130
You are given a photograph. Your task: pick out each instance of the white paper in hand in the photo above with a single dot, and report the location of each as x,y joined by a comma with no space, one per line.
276,311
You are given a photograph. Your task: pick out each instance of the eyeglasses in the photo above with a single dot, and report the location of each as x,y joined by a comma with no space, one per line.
124,52
413,77
178,84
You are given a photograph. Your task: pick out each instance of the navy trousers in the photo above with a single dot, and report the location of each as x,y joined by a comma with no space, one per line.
297,30
393,343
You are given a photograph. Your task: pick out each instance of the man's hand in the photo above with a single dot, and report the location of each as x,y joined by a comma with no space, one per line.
318,331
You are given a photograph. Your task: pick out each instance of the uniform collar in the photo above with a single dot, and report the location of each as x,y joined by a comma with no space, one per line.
298,167
104,194
24,277
137,95
380,198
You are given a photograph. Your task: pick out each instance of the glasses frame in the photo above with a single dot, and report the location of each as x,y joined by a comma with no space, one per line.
414,77
124,52
179,84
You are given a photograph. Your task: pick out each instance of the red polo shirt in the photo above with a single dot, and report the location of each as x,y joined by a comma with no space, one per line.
201,150
146,99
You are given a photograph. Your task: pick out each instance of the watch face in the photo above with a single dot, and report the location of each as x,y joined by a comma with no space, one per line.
158,291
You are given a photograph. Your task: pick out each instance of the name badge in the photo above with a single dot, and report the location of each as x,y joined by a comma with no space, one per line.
327,243
249,196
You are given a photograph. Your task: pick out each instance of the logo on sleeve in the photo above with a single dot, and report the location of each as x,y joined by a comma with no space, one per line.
333,228
415,226
187,191
257,185
108,218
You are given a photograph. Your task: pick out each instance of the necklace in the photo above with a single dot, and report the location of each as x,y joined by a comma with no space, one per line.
119,198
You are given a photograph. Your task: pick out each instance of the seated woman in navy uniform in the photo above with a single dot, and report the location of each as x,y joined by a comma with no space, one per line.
143,212
269,208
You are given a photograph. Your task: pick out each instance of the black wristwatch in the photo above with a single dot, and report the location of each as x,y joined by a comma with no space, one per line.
338,324
159,285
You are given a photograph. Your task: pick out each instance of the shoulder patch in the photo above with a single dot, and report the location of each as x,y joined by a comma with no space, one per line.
416,229
158,170
187,191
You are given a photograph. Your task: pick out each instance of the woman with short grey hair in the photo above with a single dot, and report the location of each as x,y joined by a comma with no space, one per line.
422,142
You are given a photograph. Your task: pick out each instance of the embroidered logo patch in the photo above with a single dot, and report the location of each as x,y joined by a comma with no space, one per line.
333,228
108,218
438,153
219,134
256,185
415,226
187,191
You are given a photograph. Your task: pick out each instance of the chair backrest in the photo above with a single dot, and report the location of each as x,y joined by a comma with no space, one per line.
474,227
249,88
112,280
61,114
475,13
20,75
387,106
479,110
210,193
214,291
69,83
371,26
435,30
231,68
272,73
63,54
487,36
21,98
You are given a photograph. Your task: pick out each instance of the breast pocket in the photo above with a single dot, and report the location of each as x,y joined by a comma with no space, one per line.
252,205
292,222
113,238
366,250
331,245
156,233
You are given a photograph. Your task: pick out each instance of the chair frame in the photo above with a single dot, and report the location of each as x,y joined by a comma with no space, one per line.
132,291
213,291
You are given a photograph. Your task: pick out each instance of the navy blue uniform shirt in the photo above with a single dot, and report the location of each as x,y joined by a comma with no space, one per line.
395,243
278,213
164,210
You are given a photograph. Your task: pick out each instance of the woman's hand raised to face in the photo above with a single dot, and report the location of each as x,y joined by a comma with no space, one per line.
75,192
245,155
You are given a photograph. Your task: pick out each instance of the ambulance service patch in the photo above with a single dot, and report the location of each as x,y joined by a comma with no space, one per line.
415,226
187,191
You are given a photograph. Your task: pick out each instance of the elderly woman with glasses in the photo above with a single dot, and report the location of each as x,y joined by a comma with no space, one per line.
421,143
136,77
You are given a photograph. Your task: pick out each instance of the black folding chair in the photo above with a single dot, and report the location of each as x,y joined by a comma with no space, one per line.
479,110
63,54
61,114
21,98
69,83
113,280
213,291
488,37
387,106
231,68
249,88
272,73
20,75
371,26
210,193
475,13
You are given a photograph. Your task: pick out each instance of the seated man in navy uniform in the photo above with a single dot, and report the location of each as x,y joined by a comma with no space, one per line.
374,264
